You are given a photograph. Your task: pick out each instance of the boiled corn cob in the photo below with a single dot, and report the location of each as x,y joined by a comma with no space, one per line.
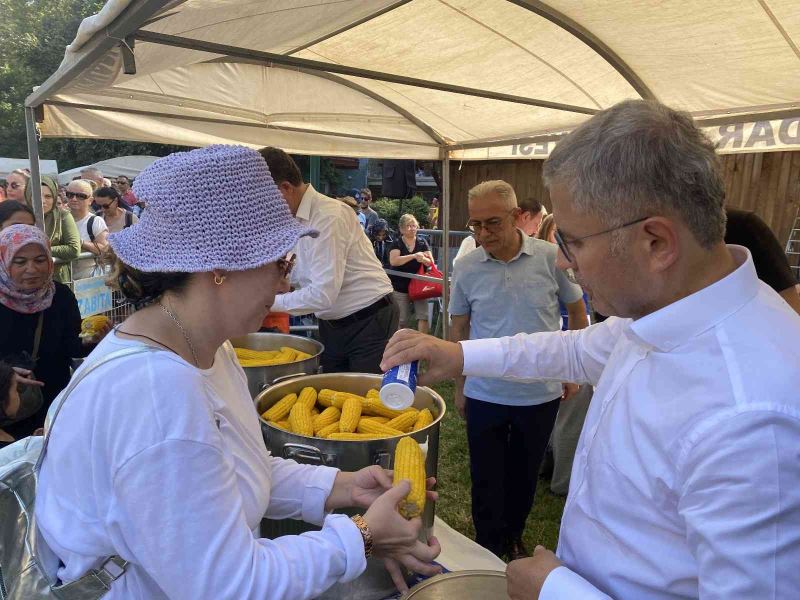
383,420
300,420
301,356
328,430
354,437
373,393
91,326
367,426
375,408
351,413
246,353
424,418
281,425
326,417
339,398
404,422
409,463
308,396
290,353
325,396
280,409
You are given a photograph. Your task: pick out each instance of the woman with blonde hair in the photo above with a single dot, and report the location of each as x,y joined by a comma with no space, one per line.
408,253
547,229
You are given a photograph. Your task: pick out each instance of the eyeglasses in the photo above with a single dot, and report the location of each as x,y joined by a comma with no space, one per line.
14,185
563,244
286,265
101,206
77,195
491,225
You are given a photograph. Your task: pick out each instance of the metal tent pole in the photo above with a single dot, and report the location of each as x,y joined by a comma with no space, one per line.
445,212
33,156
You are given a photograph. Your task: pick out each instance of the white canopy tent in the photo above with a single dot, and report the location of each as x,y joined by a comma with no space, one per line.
48,167
130,166
425,79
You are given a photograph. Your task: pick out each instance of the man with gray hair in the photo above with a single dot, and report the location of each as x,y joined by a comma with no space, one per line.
686,481
508,286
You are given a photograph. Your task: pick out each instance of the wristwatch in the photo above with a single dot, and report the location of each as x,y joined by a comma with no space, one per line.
366,534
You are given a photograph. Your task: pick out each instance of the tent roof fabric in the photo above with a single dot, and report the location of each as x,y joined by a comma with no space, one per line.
415,78
130,166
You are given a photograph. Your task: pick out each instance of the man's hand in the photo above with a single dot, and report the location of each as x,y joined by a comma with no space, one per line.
445,359
526,576
569,390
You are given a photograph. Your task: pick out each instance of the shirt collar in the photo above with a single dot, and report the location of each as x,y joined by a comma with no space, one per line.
525,248
687,318
304,210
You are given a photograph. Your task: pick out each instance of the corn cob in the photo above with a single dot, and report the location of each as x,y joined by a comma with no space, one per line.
326,417
246,353
300,420
280,409
290,353
404,422
339,398
308,396
328,430
375,408
424,419
281,425
372,427
373,393
301,356
314,412
354,437
325,396
351,413
409,463
383,420
94,324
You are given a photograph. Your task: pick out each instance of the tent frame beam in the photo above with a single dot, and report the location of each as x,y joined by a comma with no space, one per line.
315,65
348,27
587,37
217,121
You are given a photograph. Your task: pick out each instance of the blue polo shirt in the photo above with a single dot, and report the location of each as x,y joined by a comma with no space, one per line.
501,299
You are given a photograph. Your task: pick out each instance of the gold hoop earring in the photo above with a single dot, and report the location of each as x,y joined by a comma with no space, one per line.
218,279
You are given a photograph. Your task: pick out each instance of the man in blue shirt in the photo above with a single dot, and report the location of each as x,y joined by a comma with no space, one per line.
509,285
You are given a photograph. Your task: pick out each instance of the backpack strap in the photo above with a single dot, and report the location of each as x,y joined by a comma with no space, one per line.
128,219
95,583
90,228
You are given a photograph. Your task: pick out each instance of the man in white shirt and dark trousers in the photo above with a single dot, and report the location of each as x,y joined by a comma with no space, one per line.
338,275
686,480
507,286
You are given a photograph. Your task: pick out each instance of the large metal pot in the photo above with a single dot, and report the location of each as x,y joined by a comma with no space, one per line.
259,378
374,583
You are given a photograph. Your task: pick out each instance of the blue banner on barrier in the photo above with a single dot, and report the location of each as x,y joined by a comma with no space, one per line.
93,296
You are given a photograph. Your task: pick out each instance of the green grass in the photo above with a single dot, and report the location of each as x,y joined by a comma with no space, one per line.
454,484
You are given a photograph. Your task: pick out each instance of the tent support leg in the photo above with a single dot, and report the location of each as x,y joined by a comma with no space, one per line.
33,157
445,212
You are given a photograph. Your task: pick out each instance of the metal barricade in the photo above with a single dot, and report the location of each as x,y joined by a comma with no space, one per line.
435,237
112,303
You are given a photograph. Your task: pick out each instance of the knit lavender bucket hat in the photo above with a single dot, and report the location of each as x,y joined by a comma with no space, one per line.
244,222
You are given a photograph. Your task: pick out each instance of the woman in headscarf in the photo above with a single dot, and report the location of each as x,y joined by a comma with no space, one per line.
28,297
381,241
65,241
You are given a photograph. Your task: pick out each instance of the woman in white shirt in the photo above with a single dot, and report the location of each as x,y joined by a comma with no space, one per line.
158,458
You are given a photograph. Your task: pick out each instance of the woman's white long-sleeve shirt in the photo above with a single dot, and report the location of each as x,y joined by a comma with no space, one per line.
164,465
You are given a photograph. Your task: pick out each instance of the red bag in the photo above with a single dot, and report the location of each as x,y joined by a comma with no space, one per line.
422,290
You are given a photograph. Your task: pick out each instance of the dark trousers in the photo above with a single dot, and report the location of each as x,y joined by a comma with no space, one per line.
506,446
357,346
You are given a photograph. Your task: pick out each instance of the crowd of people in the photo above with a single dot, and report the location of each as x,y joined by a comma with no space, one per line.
643,331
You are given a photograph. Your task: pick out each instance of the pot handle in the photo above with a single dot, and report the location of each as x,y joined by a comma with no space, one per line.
281,378
308,454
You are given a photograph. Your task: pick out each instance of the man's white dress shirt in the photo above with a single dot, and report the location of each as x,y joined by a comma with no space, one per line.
337,273
686,480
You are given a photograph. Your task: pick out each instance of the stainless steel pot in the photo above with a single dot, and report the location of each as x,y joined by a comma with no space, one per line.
258,378
464,585
374,583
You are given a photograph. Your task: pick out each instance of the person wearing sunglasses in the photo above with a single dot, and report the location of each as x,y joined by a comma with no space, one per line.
686,481
109,204
158,458
15,185
92,228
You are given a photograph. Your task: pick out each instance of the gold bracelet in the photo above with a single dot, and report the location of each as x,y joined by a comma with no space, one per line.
366,534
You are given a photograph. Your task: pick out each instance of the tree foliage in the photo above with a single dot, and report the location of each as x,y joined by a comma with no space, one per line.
33,37
389,209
